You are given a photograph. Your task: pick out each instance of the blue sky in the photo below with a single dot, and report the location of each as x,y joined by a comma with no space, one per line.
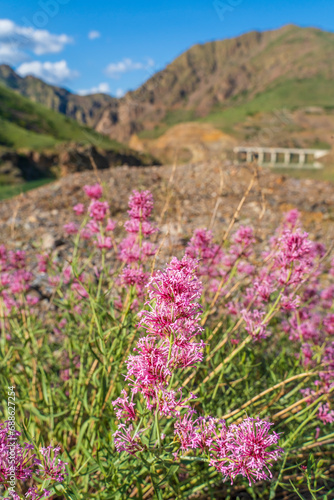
114,46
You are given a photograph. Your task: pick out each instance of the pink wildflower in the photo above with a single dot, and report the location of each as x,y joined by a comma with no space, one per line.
135,226
80,290
35,494
93,227
94,192
125,407
125,441
42,260
294,247
86,234
133,276
194,434
51,465
292,218
246,451
71,228
171,402
175,315
32,300
104,242
325,414
98,210
79,208
129,250
329,324
201,247
255,325
111,225
141,205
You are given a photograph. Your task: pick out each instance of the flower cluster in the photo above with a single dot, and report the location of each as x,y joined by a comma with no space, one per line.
135,249
97,229
16,280
286,265
18,462
243,448
172,323
216,264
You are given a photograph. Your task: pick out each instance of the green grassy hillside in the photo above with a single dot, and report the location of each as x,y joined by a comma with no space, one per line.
291,94
25,124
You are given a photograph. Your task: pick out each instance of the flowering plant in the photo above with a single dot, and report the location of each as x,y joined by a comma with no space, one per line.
20,464
213,373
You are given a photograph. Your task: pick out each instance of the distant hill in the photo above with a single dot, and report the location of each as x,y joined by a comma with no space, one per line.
36,142
237,85
84,109
25,124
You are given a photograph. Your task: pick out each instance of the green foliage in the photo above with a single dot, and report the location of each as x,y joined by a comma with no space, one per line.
8,191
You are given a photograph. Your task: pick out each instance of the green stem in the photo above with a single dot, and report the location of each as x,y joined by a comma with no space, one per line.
157,425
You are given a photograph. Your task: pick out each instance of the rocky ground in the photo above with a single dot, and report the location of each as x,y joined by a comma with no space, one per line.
187,197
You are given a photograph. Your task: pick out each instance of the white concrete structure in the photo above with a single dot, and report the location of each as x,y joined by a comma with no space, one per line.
279,157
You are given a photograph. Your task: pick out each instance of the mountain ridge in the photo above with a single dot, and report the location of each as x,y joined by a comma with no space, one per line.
84,109
290,67
37,142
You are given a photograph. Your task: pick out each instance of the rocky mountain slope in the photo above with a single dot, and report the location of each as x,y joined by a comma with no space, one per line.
84,109
36,142
222,82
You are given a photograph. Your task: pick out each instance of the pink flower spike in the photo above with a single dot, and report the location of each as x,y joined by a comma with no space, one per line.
111,225
325,414
79,209
124,441
71,228
94,192
246,451
124,407
51,465
98,210
104,242
141,205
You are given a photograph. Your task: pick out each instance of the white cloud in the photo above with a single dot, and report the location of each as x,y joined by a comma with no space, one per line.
115,70
9,55
16,41
55,73
92,35
119,93
102,88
